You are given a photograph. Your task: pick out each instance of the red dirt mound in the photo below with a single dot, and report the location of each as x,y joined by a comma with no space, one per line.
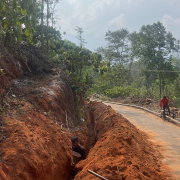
35,145
120,144
35,113
10,70
36,148
48,94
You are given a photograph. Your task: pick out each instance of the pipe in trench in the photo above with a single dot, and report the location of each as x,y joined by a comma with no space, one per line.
96,175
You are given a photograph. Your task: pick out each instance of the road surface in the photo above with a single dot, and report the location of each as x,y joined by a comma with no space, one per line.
167,135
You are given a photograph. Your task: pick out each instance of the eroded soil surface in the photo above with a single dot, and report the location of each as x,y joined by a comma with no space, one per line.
35,141
163,133
120,145
38,117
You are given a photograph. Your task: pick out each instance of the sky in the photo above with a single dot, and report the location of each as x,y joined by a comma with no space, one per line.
96,17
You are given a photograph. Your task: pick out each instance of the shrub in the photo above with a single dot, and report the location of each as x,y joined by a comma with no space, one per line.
127,91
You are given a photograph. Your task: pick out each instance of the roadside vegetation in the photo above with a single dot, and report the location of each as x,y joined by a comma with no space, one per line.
45,80
140,64
144,63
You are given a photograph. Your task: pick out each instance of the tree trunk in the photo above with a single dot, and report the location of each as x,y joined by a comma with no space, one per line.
121,69
47,26
130,65
7,39
42,25
80,73
122,75
19,42
160,90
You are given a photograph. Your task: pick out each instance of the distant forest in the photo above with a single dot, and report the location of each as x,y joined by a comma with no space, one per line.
144,63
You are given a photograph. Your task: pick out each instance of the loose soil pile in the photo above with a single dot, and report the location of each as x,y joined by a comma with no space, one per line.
34,143
10,70
26,58
35,149
120,144
35,114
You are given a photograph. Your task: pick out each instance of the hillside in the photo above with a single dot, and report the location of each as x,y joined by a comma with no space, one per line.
38,118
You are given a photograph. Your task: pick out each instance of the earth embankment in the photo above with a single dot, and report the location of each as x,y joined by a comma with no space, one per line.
120,145
38,117
36,110
35,144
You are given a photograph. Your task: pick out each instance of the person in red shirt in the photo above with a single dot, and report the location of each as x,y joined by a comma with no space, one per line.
165,103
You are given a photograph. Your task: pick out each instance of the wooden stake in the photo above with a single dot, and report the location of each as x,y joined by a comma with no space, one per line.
119,173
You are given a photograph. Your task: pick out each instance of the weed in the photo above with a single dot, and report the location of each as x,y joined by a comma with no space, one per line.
49,152
2,111
8,121
36,106
2,73
49,113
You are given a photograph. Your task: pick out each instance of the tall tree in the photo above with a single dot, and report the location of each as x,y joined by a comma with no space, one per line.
153,45
118,44
48,16
42,24
79,36
53,10
14,14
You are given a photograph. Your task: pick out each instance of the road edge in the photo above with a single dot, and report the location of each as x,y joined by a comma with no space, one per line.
139,107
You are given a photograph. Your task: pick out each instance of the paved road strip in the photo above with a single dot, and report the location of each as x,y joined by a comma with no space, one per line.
165,135
139,107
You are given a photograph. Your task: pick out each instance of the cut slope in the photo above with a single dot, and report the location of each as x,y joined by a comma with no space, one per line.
119,143
36,148
35,145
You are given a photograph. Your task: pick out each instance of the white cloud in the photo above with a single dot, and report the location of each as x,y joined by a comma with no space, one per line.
118,22
71,2
174,2
99,5
168,21
134,1
88,16
67,26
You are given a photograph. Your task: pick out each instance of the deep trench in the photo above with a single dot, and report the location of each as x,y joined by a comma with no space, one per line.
91,134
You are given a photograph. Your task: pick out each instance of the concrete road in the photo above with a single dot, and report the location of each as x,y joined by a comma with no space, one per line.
167,135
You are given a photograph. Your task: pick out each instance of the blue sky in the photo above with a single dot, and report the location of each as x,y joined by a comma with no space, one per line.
96,17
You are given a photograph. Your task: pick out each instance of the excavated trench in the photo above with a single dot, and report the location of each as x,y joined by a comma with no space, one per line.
42,147
118,150
35,146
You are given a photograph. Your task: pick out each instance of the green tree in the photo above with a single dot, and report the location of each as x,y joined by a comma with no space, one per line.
53,5
42,24
50,15
79,36
118,45
14,14
153,46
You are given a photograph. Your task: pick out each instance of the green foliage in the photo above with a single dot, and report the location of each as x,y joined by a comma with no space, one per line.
79,36
153,45
76,62
145,66
53,35
14,14
2,73
122,92
129,91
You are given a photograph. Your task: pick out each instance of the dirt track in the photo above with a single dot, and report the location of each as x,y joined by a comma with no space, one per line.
164,134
